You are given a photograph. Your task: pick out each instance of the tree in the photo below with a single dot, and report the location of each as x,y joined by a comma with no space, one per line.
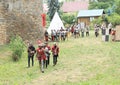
53,6
102,4
68,19
114,19
117,10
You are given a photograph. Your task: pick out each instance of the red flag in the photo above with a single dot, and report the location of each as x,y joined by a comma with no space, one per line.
43,19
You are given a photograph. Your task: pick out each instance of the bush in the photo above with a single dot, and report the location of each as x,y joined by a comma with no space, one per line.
17,46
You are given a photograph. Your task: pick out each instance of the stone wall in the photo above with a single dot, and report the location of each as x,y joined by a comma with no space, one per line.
117,34
17,10
3,35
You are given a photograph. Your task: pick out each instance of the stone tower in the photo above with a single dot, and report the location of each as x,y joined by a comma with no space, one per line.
3,35
30,8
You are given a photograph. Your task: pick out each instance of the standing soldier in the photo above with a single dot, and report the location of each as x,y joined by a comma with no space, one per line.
82,32
55,35
46,35
62,35
41,56
55,52
72,30
96,30
58,35
52,35
31,51
87,30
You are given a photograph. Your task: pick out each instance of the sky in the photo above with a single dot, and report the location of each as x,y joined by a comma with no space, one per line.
61,0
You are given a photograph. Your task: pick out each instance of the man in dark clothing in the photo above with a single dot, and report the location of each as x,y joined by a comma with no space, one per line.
46,35
31,52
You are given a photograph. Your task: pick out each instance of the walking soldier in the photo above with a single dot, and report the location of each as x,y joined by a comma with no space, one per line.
55,52
31,51
47,52
41,56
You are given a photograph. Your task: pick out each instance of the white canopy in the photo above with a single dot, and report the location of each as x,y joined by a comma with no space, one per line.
56,23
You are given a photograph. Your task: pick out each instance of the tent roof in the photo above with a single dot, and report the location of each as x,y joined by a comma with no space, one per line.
56,23
90,13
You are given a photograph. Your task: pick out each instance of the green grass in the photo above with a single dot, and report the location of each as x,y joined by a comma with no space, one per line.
82,61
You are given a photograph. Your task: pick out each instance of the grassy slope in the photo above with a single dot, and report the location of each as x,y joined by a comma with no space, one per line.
83,61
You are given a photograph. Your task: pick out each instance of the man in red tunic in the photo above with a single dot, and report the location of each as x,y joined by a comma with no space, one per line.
41,56
55,52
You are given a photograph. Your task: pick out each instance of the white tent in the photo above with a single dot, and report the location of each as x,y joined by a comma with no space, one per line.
56,23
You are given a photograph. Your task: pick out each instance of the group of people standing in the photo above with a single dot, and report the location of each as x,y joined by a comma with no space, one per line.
78,30
56,35
43,53
63,34
106,30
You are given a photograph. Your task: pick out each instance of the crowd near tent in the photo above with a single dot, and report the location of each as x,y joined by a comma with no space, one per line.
55,24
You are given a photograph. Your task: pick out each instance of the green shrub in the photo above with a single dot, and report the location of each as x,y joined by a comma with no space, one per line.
17,46
114,19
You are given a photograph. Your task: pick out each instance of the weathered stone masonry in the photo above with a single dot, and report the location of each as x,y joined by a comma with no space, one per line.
30,8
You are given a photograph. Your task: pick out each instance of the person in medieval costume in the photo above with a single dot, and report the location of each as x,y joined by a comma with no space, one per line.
55,52
72,30
52,35
31,51
110,27
87,30
46,35
41,56
96,30
58,35
47,53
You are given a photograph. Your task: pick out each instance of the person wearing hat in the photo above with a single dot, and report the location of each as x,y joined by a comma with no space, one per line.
55,52
31,51
47,52
41,56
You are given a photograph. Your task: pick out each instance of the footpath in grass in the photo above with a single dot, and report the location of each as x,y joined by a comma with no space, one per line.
82,61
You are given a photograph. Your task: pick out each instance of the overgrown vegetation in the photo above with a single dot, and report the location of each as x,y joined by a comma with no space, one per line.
17,46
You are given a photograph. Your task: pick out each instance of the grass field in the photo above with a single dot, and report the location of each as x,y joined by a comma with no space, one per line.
82,61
